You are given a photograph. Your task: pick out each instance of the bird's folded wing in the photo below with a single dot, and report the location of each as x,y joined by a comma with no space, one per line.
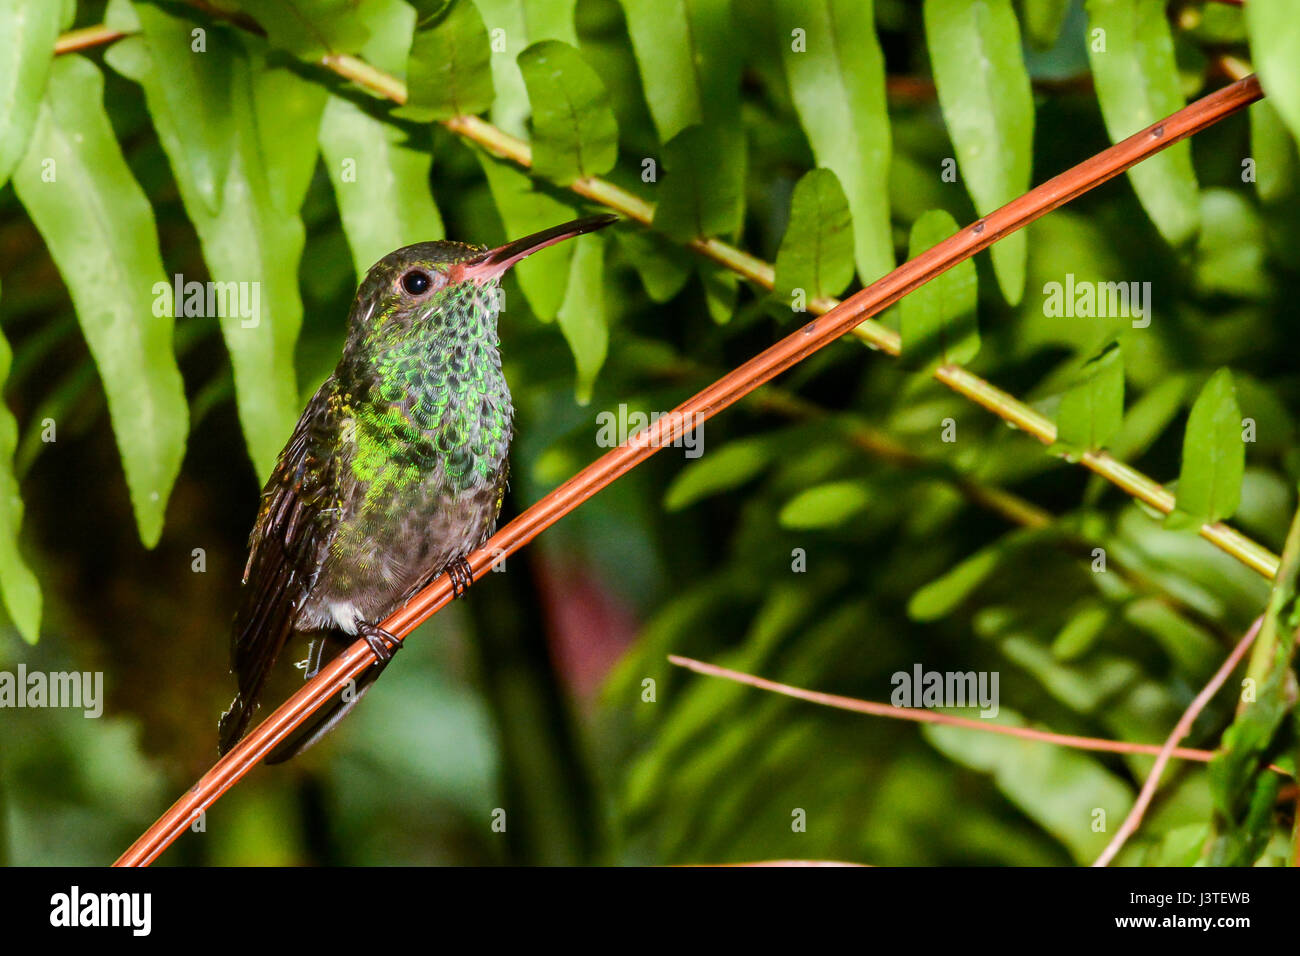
287,549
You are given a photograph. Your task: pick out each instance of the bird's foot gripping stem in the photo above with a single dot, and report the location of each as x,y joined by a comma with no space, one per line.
461,575
381,642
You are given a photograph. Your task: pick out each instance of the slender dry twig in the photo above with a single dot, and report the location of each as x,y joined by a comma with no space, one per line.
721,394
875,335
876,709
1181,730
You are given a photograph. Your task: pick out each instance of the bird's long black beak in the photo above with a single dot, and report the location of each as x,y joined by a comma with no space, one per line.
496,261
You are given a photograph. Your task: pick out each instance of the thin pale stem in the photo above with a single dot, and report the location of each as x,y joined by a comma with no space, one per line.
917,715
1181,730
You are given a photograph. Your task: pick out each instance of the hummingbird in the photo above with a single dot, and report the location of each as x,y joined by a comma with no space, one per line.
394,473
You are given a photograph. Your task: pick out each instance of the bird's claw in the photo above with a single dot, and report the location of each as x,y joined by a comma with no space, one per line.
461,576
382,644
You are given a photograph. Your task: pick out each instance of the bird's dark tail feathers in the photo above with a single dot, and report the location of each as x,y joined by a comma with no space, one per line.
231,726
325,646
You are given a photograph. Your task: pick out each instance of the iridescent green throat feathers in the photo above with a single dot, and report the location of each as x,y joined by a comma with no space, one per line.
396,470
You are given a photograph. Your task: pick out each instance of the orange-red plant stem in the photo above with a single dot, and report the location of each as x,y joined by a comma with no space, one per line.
762,368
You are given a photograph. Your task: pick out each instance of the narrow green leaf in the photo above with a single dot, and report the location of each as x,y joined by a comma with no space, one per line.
544,277
1195,651
721,287
689,60
940,596
1214,457
255,239
99,228
703,184
987,103
1274,33
574,131
1243,842
836,73
1043,20
816,254
284,107
1274,163
1273,151
937,322
392,26
1081,632
582,315
1132,54
309,29
259,237
118,15
18,585
449,70
1180,846
512,26
1092,411
825,506
381,183
1230,249
663,266
686,52
723,470
191,102
29,29
1061,790
702,705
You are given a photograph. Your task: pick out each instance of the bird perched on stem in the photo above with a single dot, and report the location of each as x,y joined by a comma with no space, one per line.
395,471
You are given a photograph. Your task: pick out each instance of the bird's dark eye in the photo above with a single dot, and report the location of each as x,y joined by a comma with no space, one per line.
416,282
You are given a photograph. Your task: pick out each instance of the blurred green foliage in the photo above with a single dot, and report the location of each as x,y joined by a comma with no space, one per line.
847,524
